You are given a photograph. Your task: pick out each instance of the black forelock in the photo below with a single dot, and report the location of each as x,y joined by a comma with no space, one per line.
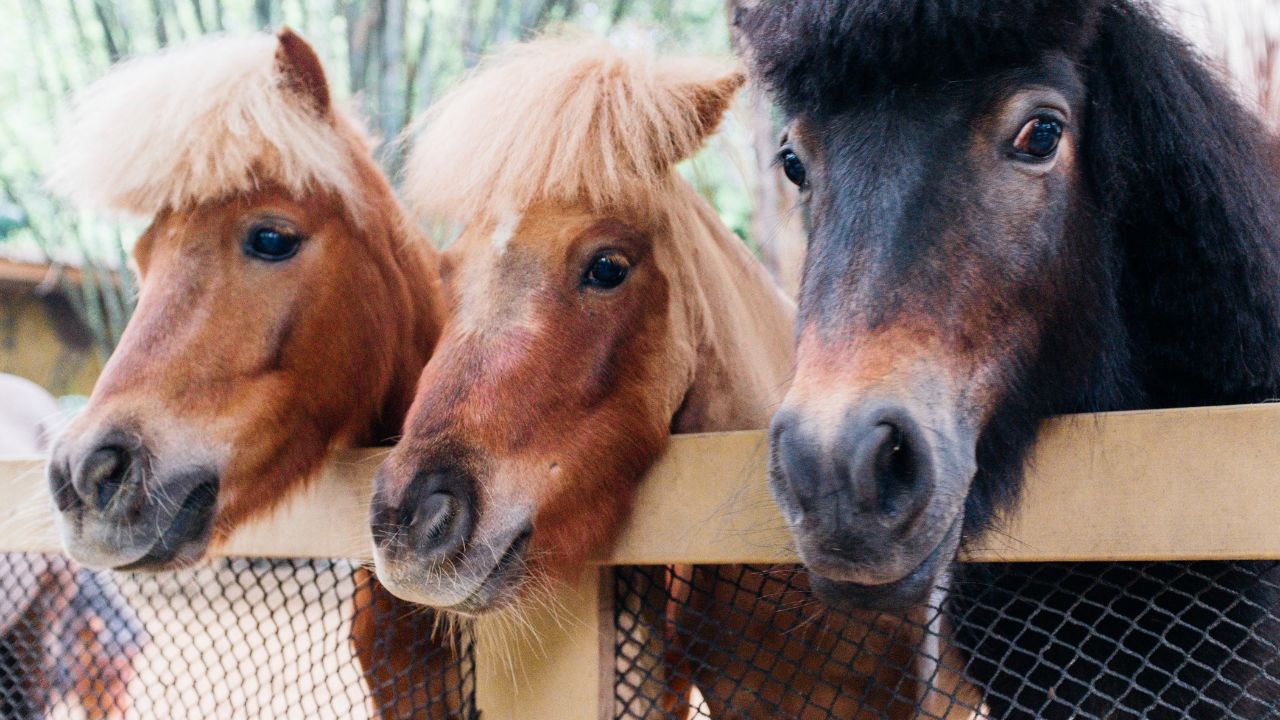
818,55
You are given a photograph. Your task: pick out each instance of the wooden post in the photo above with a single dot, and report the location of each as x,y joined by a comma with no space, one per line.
558,665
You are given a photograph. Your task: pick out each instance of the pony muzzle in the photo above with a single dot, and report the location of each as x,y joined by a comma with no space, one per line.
115,512
875,503
430,547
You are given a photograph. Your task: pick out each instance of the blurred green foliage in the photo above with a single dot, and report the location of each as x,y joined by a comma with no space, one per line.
390,57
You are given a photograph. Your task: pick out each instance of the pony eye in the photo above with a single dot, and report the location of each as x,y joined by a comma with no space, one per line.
792,167
271,243
1038,138
606,271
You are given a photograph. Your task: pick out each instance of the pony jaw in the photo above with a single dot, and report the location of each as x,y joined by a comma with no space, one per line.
905,592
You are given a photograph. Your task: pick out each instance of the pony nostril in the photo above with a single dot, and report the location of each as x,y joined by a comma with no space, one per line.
385,521
434,519
887,468
101,476
891,457
438,513
795,464
429,521
895,471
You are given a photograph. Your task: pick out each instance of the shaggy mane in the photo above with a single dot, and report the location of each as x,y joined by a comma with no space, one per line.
561,119
819,55
199,122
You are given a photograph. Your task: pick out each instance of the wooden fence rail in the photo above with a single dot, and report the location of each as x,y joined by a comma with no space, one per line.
1193,484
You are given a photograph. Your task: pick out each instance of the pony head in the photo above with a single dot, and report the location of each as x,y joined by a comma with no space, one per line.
279,313
581,291
1019,209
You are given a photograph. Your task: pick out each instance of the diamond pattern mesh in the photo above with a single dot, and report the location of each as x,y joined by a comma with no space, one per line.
237,638
1055,640
253,638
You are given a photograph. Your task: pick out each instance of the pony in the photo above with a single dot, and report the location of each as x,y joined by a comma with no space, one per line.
286,308
597,305
57,621
1018,209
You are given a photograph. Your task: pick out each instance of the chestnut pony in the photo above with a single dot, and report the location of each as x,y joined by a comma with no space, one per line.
1020,208
598,305
286,308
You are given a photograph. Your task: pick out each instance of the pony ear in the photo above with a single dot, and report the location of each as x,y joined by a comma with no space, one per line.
301,69
708,88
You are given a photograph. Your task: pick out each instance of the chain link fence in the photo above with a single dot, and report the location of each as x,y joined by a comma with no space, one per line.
254,638
236,638
1044,640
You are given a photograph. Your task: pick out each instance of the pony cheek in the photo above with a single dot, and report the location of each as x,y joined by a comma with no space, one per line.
564,541
578,516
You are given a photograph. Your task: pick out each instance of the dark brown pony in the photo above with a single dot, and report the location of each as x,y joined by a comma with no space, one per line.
598,305
287,307
1018,209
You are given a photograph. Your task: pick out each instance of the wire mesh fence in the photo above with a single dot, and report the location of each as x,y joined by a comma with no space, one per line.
254,638
237,638
1051,640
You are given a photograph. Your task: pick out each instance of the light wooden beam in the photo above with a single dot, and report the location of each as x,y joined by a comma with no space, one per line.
1199,483
18,274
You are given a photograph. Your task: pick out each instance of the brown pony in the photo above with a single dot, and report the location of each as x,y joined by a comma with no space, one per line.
598,305
286,308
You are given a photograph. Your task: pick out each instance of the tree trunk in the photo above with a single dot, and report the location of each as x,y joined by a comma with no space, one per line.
82,37
499,25
123,21
469,42
391,91
620,8
262,14
533,16
418,83
304,16
776,225
108,35
179,30
42,38
199,13
162,33
361,23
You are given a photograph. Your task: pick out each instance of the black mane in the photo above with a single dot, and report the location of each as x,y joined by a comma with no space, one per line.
1186,311
1186,180
818,55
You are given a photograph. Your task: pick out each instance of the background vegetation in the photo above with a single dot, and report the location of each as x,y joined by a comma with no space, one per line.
389,57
